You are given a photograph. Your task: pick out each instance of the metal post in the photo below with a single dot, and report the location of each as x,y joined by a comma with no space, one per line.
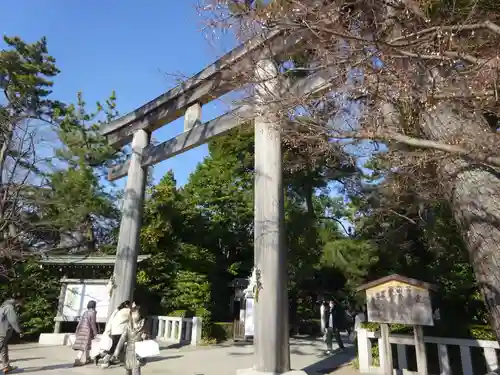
128,240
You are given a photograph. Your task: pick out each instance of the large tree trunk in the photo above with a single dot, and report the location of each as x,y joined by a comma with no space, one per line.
474,194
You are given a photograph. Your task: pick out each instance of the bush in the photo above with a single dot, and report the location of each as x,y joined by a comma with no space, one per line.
182,314
475,331
401,329
482,332
41,293
222,331
462,331
309,327
207,324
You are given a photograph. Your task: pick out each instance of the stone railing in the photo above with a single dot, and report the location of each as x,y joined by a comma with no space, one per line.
176,330
489,351
169,329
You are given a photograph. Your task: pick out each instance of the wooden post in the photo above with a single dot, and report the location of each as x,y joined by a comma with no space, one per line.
192,117
387,357
272,352
128,240
60,306
420,350
364,351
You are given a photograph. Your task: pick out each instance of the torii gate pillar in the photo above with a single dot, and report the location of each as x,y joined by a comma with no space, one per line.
271,343
128,240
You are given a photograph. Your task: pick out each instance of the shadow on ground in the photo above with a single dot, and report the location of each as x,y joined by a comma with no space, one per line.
332,362
26,359
162,358
299,340
66,365
58,366
231,343
14,348
164,345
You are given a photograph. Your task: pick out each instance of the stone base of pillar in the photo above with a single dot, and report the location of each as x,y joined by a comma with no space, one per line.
251,371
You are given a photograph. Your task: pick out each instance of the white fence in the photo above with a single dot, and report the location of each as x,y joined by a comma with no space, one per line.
163,328
366,366
176,330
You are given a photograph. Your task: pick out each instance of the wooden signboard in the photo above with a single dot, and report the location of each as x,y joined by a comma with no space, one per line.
399,302
397,299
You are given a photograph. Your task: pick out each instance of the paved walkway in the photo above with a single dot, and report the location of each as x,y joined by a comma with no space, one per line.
222,359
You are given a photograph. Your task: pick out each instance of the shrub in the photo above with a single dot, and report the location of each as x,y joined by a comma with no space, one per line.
182,314
462,331
41,293
222,331
475,331
207,324
309,327
482,332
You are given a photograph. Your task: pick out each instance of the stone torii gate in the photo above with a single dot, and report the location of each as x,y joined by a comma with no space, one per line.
271,341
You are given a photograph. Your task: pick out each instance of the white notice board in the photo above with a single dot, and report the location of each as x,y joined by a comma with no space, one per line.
249,321
100,294
79,294
72,301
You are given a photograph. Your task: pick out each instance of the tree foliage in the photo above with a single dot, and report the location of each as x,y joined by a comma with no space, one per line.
77,204
200,235
51,162
419,76
26,73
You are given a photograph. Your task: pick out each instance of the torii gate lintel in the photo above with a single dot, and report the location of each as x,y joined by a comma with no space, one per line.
271,341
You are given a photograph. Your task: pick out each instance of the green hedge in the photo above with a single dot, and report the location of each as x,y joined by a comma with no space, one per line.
464,331
207,324
182,314
459,331
308,327
222,331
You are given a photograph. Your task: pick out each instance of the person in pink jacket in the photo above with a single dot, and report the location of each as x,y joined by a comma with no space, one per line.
86,331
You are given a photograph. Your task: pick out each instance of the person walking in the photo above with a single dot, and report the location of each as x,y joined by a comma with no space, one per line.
334,321
85,332
136,309
9,323
115,328
133,334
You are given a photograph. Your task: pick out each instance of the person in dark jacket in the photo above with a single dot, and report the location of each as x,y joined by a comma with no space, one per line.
334,323
8,324
86,331
136,310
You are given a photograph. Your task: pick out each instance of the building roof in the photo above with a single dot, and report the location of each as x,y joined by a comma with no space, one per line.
85,260
402,279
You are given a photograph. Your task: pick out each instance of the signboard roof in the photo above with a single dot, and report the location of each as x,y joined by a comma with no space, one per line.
402,279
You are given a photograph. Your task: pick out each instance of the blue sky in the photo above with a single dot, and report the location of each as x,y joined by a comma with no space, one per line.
133,48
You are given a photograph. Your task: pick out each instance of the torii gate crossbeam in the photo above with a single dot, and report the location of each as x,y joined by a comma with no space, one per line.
272,354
